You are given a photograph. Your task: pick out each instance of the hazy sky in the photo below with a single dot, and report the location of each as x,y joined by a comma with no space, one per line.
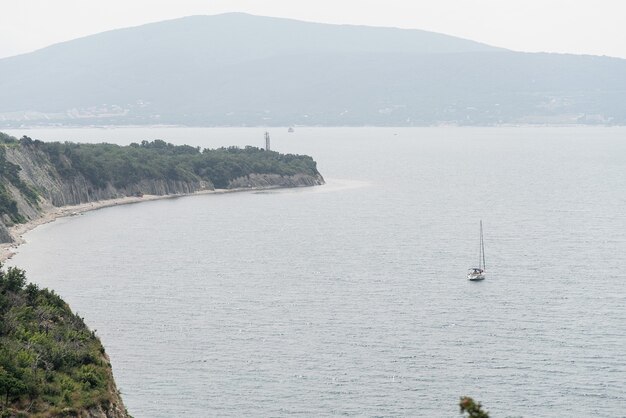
575,26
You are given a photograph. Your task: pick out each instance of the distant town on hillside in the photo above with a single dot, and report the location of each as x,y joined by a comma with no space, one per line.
242,70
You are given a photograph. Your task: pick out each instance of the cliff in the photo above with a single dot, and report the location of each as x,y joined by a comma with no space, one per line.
36,177
275,180
37,170
51,364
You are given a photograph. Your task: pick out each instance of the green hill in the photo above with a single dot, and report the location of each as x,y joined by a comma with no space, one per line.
51,364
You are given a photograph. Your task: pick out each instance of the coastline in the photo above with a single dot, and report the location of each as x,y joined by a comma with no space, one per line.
8,250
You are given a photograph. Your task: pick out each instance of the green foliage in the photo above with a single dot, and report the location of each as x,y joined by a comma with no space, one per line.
123,166
472,408
7,139
13,280
49,360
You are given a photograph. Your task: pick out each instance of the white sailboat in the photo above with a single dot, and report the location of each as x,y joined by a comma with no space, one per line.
478,273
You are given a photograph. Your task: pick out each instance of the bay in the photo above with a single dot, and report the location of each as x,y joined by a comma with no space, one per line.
351,298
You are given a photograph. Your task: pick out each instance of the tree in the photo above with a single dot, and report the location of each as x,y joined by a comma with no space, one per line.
473,409
14,279
10,387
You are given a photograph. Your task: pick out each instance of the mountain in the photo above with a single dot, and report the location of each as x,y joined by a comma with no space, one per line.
236,69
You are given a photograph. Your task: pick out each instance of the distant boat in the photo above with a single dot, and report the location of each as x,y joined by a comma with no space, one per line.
290,129
478,273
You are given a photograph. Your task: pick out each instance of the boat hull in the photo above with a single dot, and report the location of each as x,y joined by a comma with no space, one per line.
475,277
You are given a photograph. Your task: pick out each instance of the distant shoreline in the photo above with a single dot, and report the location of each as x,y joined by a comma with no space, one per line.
8,250
435,125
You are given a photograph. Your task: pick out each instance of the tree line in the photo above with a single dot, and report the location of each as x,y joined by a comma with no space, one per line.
122,166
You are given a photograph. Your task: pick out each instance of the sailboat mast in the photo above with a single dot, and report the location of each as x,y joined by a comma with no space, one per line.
482,245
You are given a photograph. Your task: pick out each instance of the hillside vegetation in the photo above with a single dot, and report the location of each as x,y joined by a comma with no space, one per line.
126,165
51,364
34,174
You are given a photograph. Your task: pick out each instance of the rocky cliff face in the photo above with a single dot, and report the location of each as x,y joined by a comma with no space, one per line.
275,180
55,190
58,191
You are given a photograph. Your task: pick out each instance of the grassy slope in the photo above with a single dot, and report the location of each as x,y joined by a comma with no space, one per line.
50,362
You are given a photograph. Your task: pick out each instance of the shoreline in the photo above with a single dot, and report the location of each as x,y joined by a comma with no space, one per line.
52,213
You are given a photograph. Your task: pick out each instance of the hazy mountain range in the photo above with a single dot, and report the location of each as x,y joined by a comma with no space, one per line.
237,69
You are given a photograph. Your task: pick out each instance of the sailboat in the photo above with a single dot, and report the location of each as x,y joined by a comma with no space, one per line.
478,273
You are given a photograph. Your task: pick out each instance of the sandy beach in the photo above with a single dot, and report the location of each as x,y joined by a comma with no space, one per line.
50,214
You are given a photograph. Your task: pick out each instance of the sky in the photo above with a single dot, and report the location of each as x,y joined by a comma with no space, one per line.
595,27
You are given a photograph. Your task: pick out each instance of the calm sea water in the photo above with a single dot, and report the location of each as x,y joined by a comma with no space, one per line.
351,298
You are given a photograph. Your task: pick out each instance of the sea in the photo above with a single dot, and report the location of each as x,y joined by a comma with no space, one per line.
351,298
